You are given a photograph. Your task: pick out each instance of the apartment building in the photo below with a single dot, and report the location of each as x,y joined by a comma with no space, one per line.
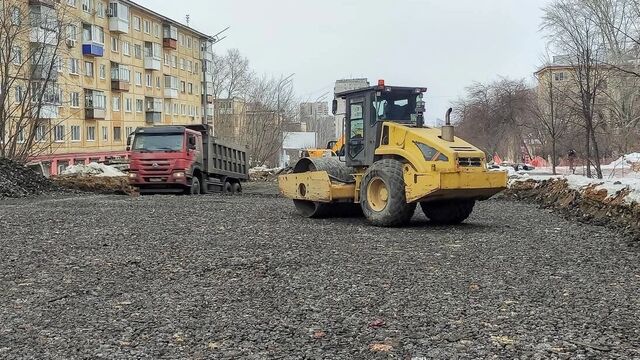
231,119
122,66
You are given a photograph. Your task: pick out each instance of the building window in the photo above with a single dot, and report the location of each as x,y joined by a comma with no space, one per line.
175,109
16,54
92,33
88,68
91,133
74,66
40,133
72,3
114,44
156,30
126,48
560,76
100,9
128,131
116,103
188,42
86,6
128,105
137,51
174,61
136,23
15,16
139,105
149,80
75,133
103,71
74,99
117,133
58,134
105,133
183,86
138,79
158,82
190,88
147,27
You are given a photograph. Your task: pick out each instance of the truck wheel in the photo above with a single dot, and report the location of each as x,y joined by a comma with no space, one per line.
226,188
382,194
448,212
236,188
195,186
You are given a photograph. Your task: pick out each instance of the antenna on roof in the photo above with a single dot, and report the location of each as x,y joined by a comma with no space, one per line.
188,18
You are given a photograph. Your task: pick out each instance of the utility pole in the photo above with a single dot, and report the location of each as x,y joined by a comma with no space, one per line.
279,87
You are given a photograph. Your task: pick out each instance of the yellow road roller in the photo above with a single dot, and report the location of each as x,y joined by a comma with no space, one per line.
391,163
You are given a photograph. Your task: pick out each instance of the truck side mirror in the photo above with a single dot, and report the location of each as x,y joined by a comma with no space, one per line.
191,143
334,106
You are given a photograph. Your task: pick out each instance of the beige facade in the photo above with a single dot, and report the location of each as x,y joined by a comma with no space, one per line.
230,119
123,66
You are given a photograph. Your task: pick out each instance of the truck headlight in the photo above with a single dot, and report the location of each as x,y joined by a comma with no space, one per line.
179,174
132,175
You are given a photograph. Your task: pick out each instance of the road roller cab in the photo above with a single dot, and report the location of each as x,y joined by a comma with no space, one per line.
392,162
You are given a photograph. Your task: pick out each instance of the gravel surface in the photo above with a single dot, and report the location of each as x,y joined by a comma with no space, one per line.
244,277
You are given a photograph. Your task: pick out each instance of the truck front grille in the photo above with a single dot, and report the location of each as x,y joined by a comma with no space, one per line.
470,161
155,165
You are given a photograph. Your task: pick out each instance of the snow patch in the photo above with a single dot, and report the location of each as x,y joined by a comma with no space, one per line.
93,169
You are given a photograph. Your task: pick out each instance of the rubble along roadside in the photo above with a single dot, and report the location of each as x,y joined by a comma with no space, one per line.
16,181
594,202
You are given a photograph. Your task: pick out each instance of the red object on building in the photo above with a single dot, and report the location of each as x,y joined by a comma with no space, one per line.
58,162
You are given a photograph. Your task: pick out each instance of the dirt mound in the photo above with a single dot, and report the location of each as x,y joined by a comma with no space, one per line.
590,204
16,180
97,184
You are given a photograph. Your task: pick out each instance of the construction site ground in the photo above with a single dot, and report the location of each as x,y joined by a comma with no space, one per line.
95,276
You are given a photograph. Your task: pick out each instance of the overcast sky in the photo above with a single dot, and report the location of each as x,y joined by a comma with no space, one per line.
444,45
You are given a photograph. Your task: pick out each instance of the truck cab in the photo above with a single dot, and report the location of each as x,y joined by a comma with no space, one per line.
165,159
189,159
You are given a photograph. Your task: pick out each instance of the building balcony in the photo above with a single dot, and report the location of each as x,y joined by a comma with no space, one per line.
152,63
118,25
169,43
94,114
48,3
119,85
44,72
171,93
43,36
47,111
92,49
153,117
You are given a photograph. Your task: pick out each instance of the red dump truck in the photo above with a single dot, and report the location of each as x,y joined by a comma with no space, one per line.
184,159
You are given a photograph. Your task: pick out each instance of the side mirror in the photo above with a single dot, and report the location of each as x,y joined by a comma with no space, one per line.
191,144
334,106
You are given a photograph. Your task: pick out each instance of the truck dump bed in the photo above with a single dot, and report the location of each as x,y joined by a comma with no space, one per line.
221,157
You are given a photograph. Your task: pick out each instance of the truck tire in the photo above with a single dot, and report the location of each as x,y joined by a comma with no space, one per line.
448,212
226,188
382,194
195,186
236,188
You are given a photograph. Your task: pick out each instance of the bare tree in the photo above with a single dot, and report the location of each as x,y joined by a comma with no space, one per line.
573,33
269,108
32,39
494,116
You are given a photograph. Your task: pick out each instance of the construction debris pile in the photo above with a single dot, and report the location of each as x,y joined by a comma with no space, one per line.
16,180
96,178
613,203
263,173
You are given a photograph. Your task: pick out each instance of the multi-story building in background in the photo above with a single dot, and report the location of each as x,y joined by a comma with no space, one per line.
123,66
231,119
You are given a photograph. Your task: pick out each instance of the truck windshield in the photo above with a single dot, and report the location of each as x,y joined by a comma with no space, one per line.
395,107
158,142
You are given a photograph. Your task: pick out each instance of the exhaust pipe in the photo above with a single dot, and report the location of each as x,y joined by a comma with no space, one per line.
448,132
